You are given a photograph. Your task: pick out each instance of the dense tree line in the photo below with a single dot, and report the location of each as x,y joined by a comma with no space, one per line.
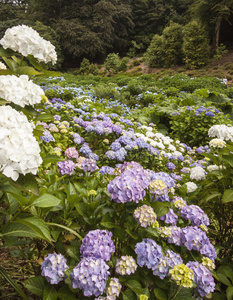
93,28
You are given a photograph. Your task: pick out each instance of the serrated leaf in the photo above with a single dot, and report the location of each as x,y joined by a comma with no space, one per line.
229,293
35,285
224,279
134,285
108,224
46,201
50,293
65,293
6,52
51,159
129,295
35,63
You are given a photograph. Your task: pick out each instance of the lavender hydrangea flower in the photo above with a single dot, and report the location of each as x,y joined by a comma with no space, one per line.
170,166
203,278
128,186
47,137
86,164
66,167
173,234
149,253
98,244
195,214
85,149
170,217
106,170
90,275
53,268
115,146
126,265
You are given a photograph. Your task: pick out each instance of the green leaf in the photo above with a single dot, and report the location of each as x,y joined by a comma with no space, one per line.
45,117
108,224
50,293
226,270
51,159
135,286
11,64
46,201
229,293
224,279
35,285
129,295
227,196
152,231
160,294
37,225
228,159
7,52
19,230
35,63
30,71
65,293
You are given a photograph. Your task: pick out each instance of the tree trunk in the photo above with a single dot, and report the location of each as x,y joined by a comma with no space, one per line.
215,41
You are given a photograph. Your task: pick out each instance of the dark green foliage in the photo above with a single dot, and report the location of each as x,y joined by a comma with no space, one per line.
196,45
166,50
87,68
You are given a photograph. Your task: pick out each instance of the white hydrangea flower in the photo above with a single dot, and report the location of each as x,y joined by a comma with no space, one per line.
197,173
20,90
211,168
19,150
217,143
150,134
2,66
191,186
221,132
27,41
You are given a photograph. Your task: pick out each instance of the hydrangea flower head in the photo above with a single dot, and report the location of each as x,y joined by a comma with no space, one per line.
195,214
53,268
197,173
202,277
71,152
27,41
90,275
126,265
145,215
149,253
98,243
20,90
191,186
182,275
170,217
217,143
207,262
19,150
66,167
158,187
114,288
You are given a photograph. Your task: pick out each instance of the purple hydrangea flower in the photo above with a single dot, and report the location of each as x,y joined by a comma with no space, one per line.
47,137
85,149
90,275
98,244
66,167
195,214
128,186
149,254
170,217
170,166
203,278
115,146
86,164
53,268
78,139
209,114
110,154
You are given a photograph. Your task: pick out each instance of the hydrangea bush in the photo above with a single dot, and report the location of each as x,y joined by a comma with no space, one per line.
114,205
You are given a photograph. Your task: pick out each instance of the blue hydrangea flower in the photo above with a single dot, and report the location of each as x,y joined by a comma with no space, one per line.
195,214
170,166
203,278
47,137
149,254
90,275
106,170
53,268
98,244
